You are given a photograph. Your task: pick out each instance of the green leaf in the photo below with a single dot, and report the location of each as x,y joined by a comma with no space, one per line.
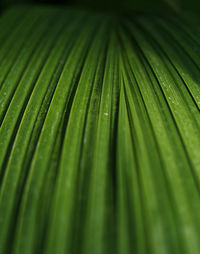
99,132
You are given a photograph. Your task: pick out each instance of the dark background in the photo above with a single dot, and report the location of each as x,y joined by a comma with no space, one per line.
135,4
148,5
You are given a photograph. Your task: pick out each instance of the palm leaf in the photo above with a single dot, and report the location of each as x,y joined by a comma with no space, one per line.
99,132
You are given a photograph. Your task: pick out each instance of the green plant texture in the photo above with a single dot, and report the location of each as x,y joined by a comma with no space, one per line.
99,132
